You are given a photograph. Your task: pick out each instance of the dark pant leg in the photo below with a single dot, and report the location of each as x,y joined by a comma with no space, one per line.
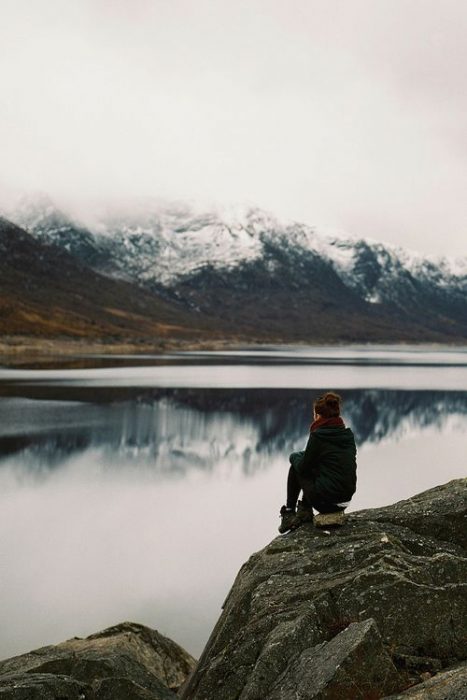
293,488
310,499
295,484
308,495
313,500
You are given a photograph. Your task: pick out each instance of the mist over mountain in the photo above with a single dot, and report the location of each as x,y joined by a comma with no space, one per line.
253,274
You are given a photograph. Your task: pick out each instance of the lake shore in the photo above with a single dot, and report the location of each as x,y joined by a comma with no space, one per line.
18,351
21,350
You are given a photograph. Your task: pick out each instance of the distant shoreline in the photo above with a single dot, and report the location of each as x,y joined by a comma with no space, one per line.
20,350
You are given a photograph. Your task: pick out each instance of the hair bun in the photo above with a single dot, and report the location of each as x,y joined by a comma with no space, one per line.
327,405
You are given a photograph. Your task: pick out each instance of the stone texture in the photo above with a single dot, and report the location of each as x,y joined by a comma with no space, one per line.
354,665
440,512
43,686
329,519
107,664
124,689
447,685
404,566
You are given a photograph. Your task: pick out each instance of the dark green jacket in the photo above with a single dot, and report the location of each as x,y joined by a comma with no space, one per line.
329,462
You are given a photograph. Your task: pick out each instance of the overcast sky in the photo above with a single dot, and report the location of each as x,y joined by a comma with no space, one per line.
345,113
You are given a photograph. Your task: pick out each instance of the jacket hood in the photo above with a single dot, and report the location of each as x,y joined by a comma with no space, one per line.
338,436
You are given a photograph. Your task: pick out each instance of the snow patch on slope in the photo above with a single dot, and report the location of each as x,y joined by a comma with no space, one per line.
161,242
172,244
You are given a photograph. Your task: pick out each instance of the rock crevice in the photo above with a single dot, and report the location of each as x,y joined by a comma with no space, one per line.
373,609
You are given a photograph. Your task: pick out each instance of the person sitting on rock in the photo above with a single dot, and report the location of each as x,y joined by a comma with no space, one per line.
326,471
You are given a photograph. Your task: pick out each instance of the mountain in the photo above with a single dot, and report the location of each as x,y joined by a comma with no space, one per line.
249,271
45,291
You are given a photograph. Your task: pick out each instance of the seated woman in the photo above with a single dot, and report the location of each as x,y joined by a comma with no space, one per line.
326,471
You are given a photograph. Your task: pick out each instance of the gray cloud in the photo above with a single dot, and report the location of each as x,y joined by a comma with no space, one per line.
341,113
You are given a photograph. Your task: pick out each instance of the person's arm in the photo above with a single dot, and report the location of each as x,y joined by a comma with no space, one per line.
308,465
295,459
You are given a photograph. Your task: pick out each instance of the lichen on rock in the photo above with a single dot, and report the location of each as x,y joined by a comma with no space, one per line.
122,662
361,613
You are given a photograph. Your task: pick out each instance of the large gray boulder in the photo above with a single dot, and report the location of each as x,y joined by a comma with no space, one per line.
365,611
124,662
447,685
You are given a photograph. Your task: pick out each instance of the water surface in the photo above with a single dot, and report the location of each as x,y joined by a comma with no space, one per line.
136,489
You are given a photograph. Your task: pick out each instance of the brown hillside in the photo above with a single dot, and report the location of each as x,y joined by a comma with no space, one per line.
46,292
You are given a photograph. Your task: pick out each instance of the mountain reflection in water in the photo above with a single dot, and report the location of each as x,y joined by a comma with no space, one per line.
141,502
174,431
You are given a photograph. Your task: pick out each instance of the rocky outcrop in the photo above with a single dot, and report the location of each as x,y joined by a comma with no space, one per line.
125,662
377,608
447,685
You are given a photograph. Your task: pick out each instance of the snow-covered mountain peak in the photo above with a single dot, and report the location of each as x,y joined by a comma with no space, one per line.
38,214
169,241
164,242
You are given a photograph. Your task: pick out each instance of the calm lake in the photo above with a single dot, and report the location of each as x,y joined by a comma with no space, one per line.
133,488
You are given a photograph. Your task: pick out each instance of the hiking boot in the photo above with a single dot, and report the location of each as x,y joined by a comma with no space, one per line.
287,520
304,514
